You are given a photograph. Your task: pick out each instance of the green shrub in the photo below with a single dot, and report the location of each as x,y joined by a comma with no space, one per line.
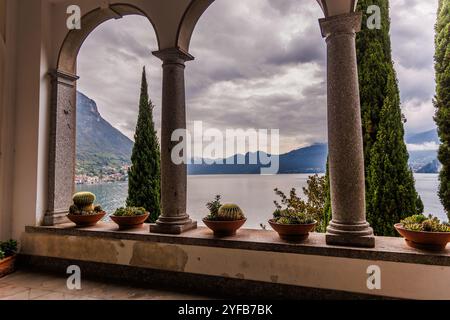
296,210
8,248
130,212
2,255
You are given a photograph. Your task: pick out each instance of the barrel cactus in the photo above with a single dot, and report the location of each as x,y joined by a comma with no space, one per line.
230,212
84,199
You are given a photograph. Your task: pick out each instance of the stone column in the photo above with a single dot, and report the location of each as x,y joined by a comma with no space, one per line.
346,157
174,219
62,147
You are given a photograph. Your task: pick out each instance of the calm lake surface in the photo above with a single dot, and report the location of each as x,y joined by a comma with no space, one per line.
253,193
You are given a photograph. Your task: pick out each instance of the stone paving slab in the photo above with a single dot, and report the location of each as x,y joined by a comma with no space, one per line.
26,285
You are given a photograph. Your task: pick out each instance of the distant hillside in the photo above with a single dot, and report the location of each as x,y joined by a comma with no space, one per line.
423,137
305,160
422,149
432,167
99,144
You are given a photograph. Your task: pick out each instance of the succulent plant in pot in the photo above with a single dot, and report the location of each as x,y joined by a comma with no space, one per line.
8,251
425,233
292,223
130,217
224,220
84,212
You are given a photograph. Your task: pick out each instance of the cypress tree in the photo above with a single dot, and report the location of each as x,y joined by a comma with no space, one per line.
442,99
391,195
390,190
145,173
327,212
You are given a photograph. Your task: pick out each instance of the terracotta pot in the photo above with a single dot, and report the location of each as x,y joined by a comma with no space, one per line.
130,222
292,232
430,241
87,220
224,228
7,266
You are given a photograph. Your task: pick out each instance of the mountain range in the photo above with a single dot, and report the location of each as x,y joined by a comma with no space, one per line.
100,145
311,159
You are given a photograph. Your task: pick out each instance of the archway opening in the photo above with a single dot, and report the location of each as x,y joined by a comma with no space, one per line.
109,65
261,66
63,132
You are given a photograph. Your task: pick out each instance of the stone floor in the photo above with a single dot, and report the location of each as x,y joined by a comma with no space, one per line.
26,285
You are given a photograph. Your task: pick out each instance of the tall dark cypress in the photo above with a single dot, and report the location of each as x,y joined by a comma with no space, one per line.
391,195
390,189
442,99
145,173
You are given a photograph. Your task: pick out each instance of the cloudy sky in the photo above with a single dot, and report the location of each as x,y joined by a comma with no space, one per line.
259,64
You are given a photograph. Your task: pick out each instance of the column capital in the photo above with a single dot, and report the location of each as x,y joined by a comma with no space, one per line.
173,56
342,24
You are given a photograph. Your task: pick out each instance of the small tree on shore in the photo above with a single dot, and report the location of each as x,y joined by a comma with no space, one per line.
145,173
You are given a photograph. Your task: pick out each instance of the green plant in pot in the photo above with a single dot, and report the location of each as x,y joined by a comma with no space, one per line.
84,212
130,217
224,219
425,233
8,251
290,219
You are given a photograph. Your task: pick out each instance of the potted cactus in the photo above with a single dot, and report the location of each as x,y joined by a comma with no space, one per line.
425,233
8,251
83,212
130,217
224,220
292,223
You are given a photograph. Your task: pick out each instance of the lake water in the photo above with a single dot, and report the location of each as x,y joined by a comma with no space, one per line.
253,193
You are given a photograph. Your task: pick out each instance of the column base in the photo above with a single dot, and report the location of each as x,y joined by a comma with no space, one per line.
169,225
56,218
356,235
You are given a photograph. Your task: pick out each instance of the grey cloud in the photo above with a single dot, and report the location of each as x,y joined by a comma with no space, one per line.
244,52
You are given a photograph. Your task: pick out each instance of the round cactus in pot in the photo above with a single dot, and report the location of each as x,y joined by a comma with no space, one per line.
224,220
83,199
230,212
84,212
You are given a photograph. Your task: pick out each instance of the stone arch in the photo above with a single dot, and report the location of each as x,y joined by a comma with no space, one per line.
75,38
187,24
